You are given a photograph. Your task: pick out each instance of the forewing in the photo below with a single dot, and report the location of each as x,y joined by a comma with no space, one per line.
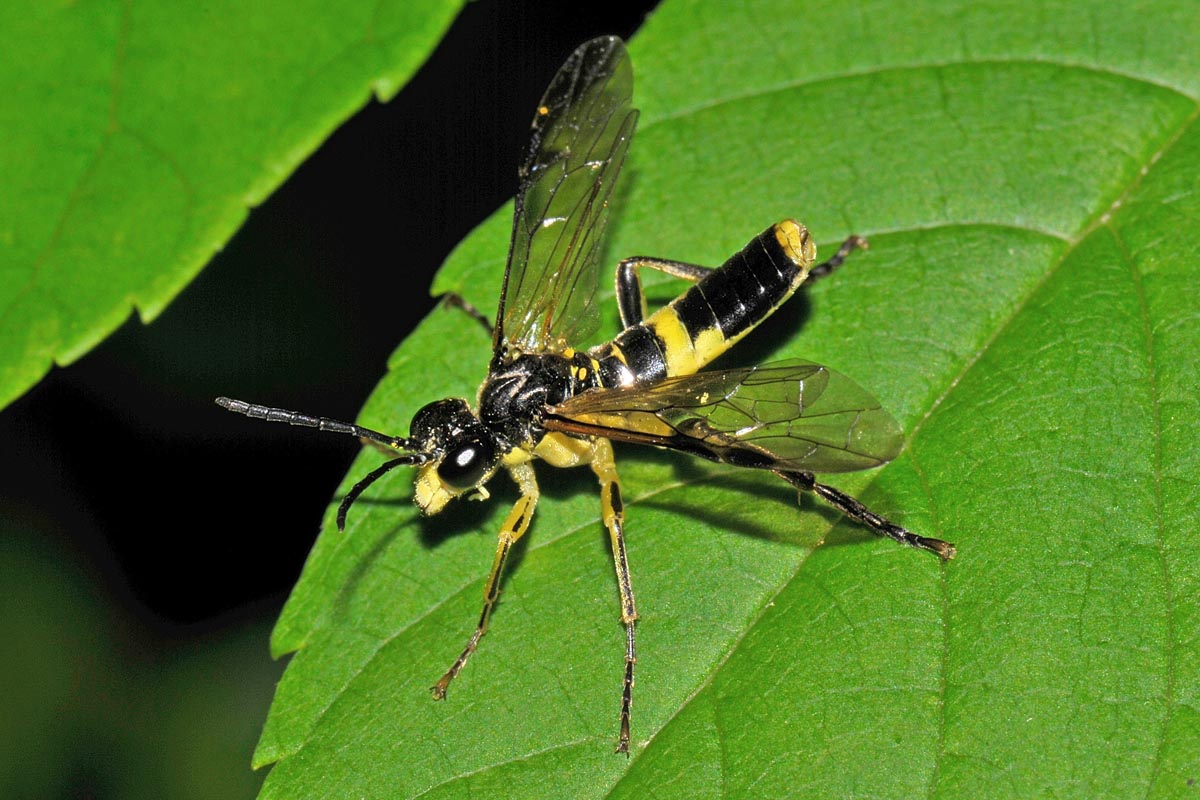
791,415
581,133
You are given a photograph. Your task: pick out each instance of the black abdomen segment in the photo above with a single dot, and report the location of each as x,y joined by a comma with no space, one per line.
710,317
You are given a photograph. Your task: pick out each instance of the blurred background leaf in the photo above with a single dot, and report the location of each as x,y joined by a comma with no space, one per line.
101,705
137,136
1026,176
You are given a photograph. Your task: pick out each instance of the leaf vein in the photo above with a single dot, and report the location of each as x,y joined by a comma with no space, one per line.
686,111
1164,564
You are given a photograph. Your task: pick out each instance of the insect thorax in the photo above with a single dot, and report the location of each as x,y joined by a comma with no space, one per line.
512,399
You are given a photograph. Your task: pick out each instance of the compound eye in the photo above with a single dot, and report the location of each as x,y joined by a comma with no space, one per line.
465,465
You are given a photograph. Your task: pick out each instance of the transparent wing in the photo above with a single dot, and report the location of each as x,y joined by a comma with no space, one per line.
581,133
790,415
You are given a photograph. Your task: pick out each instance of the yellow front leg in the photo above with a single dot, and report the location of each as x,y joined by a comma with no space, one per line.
513,529
612,510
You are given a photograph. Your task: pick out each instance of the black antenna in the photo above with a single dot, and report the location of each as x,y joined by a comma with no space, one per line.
412,459
334,426
320,423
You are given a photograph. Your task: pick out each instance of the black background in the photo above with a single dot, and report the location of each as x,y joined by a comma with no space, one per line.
189,517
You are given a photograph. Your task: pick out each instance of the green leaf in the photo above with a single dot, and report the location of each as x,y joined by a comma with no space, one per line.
137,135
1026,175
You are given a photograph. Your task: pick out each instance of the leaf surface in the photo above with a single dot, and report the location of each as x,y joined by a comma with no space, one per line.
1028,311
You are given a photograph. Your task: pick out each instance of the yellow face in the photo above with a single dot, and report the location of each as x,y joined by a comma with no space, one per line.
431,492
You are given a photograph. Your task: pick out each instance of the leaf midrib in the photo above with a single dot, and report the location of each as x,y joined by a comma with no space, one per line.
915,66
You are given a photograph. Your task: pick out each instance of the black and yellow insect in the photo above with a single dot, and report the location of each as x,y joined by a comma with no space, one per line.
544,400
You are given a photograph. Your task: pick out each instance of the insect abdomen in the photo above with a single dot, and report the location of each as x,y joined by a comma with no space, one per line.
710,317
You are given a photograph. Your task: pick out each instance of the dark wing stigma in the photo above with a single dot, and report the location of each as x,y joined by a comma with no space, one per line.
581,133
789,415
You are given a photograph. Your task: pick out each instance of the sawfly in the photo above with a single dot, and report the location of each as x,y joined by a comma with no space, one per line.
543,399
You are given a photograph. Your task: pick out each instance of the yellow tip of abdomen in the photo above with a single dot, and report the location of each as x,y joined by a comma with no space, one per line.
795,240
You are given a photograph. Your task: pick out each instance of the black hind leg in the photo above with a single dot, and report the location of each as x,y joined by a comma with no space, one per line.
860,513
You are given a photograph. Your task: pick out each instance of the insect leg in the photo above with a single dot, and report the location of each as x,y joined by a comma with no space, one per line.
857,511
612,509
825,267
513,529
631,302
456,300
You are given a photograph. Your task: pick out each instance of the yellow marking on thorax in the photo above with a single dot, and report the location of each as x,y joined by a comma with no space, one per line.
518,455
617,353
612,350
561,450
